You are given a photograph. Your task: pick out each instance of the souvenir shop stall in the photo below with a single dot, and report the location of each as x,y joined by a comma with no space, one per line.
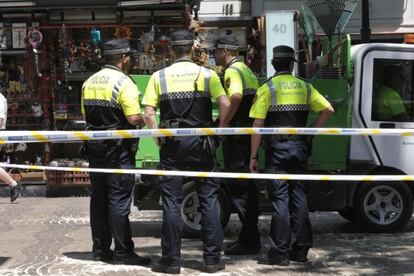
47,54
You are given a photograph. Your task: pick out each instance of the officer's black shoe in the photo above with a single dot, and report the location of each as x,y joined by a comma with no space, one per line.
15,192
229,245
162,268
132,259
277,260
240,249
213,268
103,257
297,257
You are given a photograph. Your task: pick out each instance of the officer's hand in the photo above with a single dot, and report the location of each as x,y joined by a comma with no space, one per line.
254,166
157,142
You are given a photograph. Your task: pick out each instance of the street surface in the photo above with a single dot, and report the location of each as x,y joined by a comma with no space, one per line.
51,236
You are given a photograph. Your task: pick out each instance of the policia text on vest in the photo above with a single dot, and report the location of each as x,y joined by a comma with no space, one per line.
183,93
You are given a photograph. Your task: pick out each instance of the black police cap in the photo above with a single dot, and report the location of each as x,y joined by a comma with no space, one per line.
182,38
283,51
227,42
116,47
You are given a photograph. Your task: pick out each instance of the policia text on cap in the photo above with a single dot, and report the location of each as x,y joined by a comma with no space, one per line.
183,93
285,101
110,100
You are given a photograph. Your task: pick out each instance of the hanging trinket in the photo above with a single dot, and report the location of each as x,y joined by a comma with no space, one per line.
123,32
95,36
66,55
3,45
35,38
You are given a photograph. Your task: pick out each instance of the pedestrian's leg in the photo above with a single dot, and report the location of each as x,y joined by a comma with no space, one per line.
120,193
6,178
99,215
171,189
301,225
280,233
211,230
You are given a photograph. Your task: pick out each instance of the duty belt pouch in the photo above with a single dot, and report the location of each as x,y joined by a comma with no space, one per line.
83,150
96,149
167,124
209,144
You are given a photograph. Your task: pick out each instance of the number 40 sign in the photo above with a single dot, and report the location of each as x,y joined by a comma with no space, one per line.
281,29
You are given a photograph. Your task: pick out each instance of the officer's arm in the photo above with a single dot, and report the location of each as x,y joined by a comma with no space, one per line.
136,120
255,144
150,119
323,116
320,105
234,88
224,105
235,101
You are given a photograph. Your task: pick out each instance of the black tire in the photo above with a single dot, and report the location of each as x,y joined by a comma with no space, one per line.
383,207
347,214
191,214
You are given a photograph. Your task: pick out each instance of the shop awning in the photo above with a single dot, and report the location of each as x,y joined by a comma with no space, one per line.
75,3
51,4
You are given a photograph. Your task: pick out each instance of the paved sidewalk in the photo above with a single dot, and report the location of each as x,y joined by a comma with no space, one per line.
51,236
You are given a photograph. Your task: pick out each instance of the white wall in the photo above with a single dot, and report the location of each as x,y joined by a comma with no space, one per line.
387,16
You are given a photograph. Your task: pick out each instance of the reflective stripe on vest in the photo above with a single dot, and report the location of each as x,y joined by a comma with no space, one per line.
115,89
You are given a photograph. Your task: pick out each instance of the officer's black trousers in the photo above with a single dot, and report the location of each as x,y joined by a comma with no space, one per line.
111,198
290,214
187,153
243,193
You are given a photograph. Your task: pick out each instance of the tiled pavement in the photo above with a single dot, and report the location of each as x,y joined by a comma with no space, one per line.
51,236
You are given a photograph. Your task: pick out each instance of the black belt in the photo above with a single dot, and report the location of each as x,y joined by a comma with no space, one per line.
288,137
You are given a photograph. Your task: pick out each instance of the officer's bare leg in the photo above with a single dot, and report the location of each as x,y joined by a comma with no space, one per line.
6,178
211,230
171,188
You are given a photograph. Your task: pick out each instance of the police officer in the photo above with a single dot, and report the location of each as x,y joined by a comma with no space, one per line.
387,102
183,93
110,101
241,85
285,101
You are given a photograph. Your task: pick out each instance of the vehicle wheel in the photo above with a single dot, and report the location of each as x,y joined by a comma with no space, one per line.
347,214
383,207
191,213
